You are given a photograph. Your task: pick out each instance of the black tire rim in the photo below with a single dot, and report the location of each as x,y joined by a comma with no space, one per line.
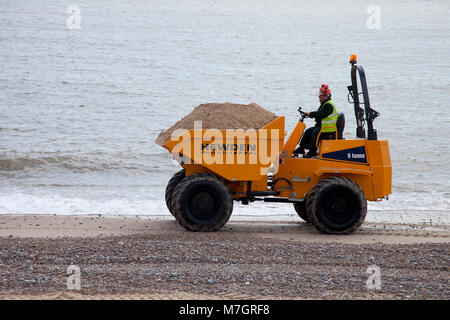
203,205
338,207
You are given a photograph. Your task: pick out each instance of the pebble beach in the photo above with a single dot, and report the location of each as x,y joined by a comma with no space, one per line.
135,258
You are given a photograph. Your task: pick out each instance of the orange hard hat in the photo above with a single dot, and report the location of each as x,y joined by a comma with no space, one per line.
324,90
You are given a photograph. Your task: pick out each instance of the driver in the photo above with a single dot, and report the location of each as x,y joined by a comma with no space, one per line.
326,118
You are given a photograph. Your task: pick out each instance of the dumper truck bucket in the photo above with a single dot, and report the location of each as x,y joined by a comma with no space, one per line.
233,154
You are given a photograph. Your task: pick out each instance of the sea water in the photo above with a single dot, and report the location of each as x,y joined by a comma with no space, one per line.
85,92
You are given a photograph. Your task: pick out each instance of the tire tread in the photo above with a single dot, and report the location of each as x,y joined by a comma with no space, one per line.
313,196
177,204
173,182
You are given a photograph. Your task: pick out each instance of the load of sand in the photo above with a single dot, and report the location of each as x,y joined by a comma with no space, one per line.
222,116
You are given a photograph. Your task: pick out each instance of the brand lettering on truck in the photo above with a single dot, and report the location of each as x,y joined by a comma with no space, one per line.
232,148
356,155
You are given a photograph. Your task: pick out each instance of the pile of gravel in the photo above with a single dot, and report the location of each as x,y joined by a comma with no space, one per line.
222,116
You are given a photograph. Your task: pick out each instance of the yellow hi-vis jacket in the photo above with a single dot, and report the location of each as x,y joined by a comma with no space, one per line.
329,122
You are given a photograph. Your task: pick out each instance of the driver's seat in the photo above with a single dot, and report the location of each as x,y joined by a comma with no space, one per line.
340,125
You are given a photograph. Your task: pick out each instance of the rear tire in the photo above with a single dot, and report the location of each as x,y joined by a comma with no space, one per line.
173,182
336,205
202,202
300,208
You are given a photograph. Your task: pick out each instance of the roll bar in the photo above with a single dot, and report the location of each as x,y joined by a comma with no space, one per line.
353,93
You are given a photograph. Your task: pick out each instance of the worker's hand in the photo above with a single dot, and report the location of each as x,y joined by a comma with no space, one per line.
307,114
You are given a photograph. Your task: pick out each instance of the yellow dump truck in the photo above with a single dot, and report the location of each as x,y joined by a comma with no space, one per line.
330,190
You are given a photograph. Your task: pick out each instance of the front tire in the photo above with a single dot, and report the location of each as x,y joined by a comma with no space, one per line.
202,202
336,205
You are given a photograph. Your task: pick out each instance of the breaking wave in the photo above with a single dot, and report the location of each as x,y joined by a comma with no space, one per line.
437,213
79,164
22,163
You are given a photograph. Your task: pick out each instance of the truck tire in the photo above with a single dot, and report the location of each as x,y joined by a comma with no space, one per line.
300,208
202,202
176,178
336,205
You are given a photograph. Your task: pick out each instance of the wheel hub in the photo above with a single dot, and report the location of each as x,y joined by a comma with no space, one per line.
338,208
203,204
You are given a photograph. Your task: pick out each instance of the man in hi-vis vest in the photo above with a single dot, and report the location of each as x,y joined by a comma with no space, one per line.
326,117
